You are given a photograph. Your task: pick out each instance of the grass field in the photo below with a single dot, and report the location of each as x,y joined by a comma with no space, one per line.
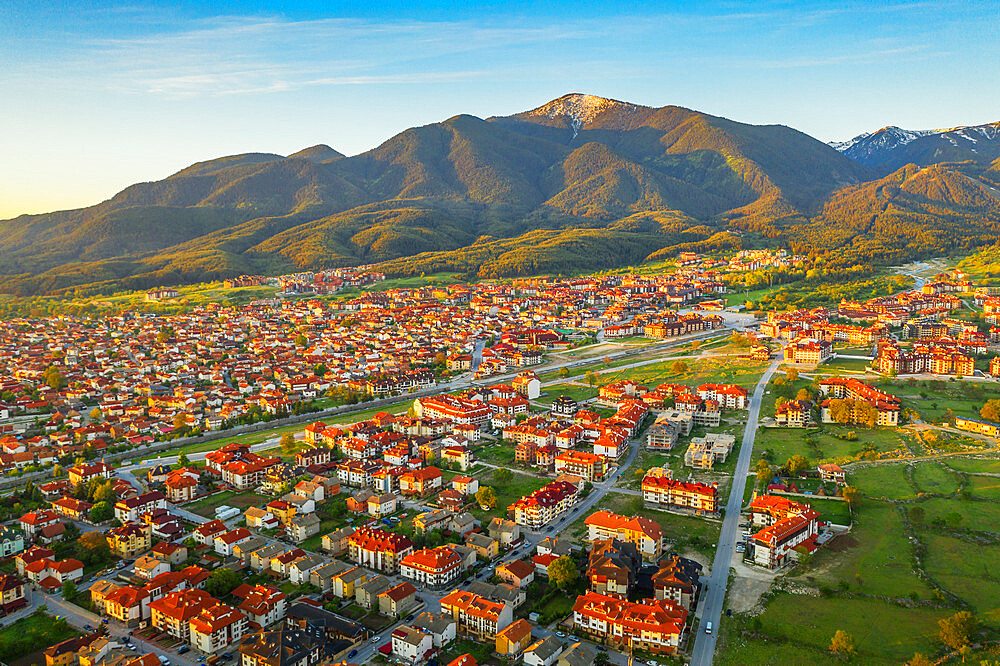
969,570
783,443
35,632
832,510
883,633
932,477
874,558
724,369
206,505
973,465
963,513
933,398
575,391
985,486
507,493
883,482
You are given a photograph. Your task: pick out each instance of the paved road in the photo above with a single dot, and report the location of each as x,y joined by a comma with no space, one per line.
711,604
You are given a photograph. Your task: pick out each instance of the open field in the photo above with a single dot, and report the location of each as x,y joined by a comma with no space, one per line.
883,633
968,570
206,505
575,391
883,482
783,443
973,465
969,514
985,486
931,477
874,558
507,493
933,398
35,632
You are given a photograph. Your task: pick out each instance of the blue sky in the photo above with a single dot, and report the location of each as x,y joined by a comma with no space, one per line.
96,96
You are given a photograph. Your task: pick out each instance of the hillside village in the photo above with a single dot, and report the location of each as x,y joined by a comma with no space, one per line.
559,471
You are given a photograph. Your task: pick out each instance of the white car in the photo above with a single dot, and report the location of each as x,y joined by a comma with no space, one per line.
376,639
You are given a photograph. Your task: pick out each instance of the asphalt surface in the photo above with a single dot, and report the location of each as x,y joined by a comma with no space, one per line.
715,596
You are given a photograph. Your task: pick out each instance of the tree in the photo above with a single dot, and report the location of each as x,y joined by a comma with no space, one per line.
591,377
764,472
851,495
563,572
842,644
222,582
104,492
916,515
182,460
101,511
502,476
958,629
57,471
486,496
55,379
301,340
991,410
679,366
95,414
69,591
796,465
564,372
287,443
791,374
803,395
919,660
180,420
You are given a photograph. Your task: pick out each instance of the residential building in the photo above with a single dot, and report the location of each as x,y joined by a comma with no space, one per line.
476,616
377,549
660,491
130,539
645,534
652,625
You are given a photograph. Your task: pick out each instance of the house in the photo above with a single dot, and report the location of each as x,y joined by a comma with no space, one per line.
172,613
33,554
382,505
281,646
51,574
466,485
645,534
72,508
302,526
169,552
513,639
398,599
505,532
345,584
651,625
84,472
794,413
263,605
300,569
11,541
543,652
411,645
545,504
336,543
443,629
148,567
486,547
377,549
433,567
476,616
128,605
206,532
578,654
130,539
516,572
831,472
33,522
260,559
12,593
260,518
181,486
322,576
421,482
132,508
366,593
224,543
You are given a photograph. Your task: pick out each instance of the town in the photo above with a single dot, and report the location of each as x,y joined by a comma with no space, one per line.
559,471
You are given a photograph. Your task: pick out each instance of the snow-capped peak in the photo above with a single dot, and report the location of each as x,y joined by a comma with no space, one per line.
885,138
579,108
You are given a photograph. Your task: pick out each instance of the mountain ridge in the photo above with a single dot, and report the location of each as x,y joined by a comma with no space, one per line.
581,180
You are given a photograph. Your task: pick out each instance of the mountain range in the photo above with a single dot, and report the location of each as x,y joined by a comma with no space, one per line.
580,183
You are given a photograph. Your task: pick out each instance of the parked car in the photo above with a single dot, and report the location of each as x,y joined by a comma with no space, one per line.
708,627
182,649
376,639
352,654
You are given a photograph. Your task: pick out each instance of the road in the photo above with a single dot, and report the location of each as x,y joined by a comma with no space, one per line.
715,596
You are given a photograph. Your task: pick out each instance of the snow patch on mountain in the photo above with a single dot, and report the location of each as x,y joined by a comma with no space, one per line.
580,109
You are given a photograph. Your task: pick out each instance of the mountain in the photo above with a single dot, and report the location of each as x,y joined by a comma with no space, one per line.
890,148
580,182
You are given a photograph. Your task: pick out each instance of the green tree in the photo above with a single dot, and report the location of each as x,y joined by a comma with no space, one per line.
54,378
57,471
301,340
957,630
590,377
487,497
69,591
101,511
502,476
182,460
917,515
222,582
563,572
287,443
842,644
919,660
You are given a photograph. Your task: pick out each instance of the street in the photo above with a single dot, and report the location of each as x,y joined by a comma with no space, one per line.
713,600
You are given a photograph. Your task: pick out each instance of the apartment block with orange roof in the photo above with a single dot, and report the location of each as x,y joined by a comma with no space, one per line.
787,527
652,625
586,465
130,539
434,567
378,549
645,534
476,616
661,491
217,628
172,612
